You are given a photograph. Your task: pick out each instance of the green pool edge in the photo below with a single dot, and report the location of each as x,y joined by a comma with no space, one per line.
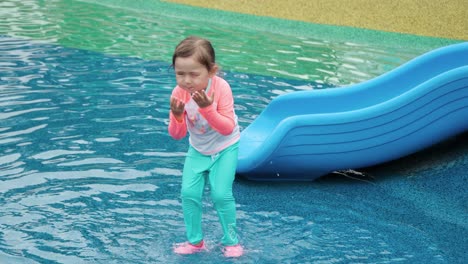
62,13
279,26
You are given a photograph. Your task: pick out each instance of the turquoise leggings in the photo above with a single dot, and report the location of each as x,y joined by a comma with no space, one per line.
219,170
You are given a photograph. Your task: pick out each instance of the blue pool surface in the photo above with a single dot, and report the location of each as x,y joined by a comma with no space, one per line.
88,173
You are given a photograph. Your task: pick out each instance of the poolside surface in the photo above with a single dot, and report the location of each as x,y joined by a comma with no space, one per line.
442,19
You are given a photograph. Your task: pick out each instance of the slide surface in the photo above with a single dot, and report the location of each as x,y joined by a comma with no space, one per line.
307,134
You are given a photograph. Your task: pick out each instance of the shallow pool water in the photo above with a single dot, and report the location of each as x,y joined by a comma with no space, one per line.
88,173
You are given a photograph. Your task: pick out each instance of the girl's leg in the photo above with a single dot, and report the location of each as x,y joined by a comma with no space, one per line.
193,184
221,178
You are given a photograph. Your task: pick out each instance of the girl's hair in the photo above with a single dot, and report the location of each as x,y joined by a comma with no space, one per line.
201,48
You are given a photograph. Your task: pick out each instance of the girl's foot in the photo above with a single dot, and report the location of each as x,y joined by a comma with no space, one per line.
187,248
233,251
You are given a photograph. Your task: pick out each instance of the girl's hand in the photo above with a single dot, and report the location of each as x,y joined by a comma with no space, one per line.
202,99
177,108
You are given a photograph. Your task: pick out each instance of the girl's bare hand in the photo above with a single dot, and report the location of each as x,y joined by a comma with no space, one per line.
177,108
202,99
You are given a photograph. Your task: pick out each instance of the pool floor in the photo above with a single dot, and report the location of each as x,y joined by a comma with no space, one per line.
88,173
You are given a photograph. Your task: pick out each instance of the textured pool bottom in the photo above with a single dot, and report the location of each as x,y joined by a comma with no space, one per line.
414,210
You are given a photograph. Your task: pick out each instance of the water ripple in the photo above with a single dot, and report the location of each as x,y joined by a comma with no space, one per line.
89,174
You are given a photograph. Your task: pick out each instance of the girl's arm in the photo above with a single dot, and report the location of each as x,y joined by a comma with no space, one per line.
177,129
222,117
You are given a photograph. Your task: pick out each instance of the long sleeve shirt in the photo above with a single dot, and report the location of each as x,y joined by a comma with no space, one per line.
212,128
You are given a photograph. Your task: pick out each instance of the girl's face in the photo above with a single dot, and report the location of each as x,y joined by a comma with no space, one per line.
191,75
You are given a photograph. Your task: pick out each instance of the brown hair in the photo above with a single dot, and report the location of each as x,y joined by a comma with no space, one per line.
201,48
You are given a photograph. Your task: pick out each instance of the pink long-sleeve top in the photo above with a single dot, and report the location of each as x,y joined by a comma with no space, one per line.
212,128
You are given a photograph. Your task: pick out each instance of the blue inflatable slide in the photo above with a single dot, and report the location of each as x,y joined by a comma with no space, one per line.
304,135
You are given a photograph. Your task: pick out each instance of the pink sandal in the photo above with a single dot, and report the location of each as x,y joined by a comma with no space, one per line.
233,251
186,248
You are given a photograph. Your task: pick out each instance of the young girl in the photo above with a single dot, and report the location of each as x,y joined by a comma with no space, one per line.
202,104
